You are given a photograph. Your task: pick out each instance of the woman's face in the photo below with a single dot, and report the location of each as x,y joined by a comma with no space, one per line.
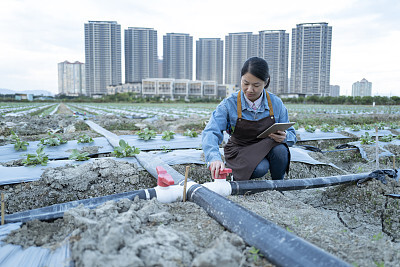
252,86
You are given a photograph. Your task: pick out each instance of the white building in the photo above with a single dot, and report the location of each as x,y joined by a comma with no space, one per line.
274,48
102,56
125,88
311,59
335,90
238,48
178,88
141,56
71,78
362,88
209,59
178,56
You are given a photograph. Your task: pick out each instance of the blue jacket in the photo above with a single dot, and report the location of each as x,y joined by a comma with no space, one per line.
224,118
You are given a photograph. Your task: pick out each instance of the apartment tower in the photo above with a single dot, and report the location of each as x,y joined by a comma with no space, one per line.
362,88
209,59
238,48
178,56
141,56
311,59
102,56
274,48
71,78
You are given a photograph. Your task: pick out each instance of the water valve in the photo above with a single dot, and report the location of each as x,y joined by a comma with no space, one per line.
164,179
223,173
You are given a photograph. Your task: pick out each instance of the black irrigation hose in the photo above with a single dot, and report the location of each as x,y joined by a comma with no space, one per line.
254,186
57,211
278,245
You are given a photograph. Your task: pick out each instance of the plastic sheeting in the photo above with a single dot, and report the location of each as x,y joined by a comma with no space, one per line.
14,255
370,132
318,135
384,152
178,142
8,153
197,156
13,175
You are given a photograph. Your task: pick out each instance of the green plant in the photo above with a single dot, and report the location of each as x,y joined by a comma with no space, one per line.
256,253
18,143
52,140
165,149
310,128
355,127
379,264
146,134
394,125
380,125
366,139
340,128
78,156
367,127
85,139
34,159
377,237
359,169
167,135
125,150
190,133
327,128
386,138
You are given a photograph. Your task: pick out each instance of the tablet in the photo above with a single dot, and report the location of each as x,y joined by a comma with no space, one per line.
280,126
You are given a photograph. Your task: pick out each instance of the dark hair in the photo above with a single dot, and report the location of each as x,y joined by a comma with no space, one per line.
258,67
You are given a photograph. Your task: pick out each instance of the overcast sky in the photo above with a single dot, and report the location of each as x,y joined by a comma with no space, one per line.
35,35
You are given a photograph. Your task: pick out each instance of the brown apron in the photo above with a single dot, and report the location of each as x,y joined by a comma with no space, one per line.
244,151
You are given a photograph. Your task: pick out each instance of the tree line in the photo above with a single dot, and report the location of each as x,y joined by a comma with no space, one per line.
131,97
344,100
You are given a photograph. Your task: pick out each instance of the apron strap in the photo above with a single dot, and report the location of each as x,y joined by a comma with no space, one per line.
239,105
271,110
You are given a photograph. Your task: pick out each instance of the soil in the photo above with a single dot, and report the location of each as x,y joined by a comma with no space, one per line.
358,224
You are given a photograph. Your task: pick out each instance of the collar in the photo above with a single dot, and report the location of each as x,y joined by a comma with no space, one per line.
260,102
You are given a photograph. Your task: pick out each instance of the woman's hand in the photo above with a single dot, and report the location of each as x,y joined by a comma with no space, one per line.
279,136
216,167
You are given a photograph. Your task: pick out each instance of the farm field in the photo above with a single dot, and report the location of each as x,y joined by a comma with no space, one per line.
358,224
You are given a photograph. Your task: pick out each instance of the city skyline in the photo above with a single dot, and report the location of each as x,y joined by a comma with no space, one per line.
48,33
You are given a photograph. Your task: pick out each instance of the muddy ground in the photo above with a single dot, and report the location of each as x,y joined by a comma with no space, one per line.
358,224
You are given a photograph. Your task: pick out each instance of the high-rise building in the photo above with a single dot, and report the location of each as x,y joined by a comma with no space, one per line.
238,48
362,88
274,48
71,78
209,59
178,56
102,55
335,90
141,56
311,59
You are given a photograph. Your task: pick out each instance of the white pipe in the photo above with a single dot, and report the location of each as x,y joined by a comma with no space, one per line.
169,194
220,186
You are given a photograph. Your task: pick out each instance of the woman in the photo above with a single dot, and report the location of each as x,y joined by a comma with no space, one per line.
244,115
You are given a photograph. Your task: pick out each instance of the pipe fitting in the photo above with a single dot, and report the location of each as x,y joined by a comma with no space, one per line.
172,193
220,185
166,192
